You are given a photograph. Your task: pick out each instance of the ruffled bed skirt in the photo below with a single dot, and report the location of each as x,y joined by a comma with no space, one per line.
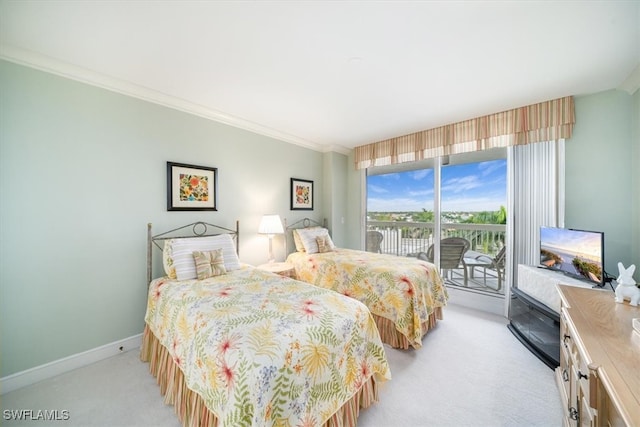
190,407
391,336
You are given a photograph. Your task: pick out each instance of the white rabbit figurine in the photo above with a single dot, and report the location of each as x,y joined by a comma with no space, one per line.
627,288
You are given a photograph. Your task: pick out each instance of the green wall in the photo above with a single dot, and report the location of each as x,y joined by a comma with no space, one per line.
82,172
356,191
336,201
600,169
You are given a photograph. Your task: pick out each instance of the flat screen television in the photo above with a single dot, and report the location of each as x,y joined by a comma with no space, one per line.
576,253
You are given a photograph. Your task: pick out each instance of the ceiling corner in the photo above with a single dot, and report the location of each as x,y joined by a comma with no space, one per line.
632,82
338,149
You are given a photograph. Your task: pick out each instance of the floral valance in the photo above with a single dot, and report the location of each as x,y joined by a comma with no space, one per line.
546,121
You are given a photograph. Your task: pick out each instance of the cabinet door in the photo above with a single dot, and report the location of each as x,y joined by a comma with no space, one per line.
562,382
564,370
586,414
608,415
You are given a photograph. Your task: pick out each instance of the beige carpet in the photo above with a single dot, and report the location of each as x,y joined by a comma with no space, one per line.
471,371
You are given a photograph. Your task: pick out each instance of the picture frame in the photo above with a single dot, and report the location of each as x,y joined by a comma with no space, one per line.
301,194
191,187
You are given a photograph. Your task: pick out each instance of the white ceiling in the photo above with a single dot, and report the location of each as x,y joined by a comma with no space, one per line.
332,74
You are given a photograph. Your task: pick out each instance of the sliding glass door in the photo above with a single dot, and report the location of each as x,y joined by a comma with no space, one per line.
460,202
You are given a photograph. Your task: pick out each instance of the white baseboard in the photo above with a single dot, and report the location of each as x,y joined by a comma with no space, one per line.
66,364
482,302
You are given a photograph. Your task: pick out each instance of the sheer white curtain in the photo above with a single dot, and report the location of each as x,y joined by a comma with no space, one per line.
536,198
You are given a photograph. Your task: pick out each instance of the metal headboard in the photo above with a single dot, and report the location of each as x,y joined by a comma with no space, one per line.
195,229
303,223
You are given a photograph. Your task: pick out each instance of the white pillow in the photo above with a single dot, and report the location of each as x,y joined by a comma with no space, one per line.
297,240
308,238
182,253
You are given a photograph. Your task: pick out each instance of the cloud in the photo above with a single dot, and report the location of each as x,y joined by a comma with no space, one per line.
421,174
450,204
416,193
390,176
376,189
489,167
461,184
400,204
471,204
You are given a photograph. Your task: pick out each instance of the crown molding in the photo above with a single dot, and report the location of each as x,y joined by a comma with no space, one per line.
50,65
632,83
338,149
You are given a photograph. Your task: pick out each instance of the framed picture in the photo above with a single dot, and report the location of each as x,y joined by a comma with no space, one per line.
301,195
191,188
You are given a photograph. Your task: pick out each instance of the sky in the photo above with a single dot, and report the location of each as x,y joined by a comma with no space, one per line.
471,187
585,243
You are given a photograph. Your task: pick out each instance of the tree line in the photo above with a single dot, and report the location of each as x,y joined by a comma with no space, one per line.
483,217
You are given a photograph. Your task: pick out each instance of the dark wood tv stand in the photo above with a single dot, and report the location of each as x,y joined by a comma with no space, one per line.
534,311
536,326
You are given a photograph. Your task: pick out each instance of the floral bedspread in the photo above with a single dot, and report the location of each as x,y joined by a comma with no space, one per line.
402,289
262,349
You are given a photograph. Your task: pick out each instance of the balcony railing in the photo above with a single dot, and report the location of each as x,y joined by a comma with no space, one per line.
404,238
410,238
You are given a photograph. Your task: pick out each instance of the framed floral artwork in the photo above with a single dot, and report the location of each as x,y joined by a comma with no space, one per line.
191,188
301,195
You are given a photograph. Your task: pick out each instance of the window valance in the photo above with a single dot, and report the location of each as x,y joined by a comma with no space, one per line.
546,121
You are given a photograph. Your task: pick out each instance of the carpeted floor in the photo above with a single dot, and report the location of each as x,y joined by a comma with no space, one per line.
471,371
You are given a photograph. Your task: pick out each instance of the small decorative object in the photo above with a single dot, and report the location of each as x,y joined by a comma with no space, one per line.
301,195
191,188
627,288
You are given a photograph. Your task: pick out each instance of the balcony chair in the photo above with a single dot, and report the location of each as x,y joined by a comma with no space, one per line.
452,250
484,261
374,239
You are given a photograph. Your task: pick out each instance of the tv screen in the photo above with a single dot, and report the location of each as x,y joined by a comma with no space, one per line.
577,253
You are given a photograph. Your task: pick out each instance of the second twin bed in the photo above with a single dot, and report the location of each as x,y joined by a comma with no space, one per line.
405,295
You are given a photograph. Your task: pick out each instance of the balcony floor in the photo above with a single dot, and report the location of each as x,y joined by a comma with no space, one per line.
476,281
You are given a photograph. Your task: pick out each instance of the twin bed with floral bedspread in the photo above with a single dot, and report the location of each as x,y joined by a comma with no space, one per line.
232,345
405,295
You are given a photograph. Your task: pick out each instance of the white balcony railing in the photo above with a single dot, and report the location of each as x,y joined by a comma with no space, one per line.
408,238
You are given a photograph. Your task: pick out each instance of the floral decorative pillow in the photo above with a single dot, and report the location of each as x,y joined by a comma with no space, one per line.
309,235
167,259
324,244
209,263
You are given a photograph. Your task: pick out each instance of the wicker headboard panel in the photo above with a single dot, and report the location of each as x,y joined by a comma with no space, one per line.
303,223
195,229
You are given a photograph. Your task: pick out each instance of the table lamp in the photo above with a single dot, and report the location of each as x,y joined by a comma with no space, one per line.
270,225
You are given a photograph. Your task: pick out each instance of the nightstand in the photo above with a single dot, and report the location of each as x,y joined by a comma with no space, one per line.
282,268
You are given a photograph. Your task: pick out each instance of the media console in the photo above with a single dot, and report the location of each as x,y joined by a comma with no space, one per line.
536,326
534,311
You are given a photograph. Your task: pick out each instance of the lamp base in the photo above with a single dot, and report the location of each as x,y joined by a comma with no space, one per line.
271,257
